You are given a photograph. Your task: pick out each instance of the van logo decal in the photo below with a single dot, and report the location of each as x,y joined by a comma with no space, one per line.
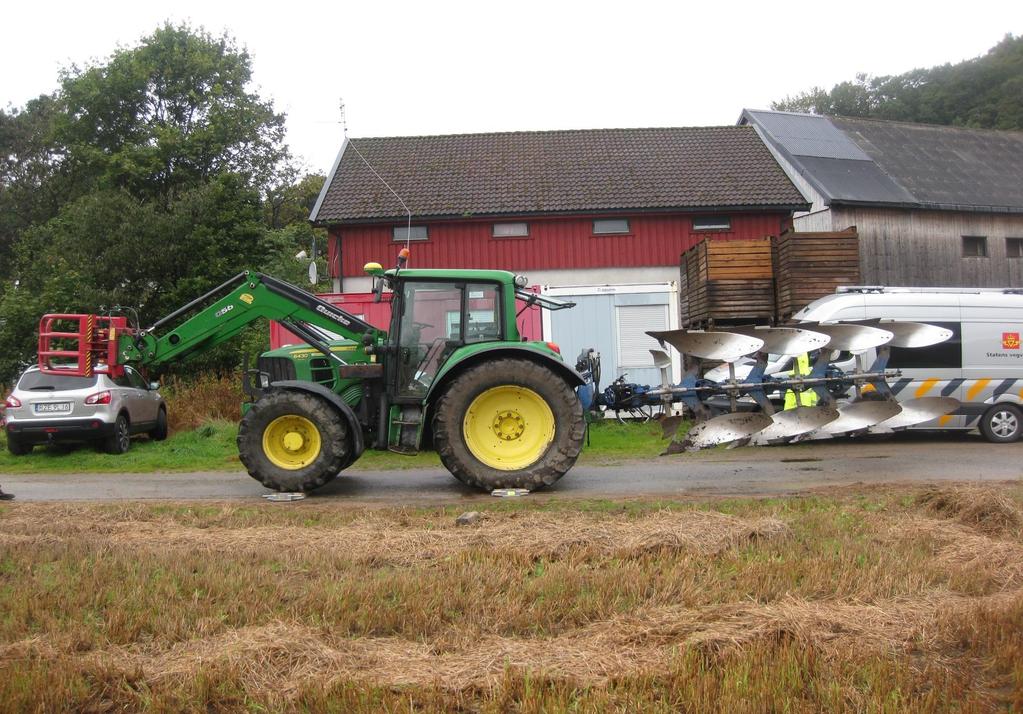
1010,340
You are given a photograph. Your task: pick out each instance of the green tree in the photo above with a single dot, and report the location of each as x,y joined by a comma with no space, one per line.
28,159
143,181
171,113
985,92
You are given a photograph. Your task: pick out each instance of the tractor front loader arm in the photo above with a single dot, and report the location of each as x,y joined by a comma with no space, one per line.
202,324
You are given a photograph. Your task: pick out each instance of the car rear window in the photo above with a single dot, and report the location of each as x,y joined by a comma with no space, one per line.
37,381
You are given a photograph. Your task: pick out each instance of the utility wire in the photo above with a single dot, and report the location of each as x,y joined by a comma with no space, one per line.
408,230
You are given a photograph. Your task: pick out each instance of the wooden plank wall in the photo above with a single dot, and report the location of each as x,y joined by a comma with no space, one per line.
728,281
925,248
808,266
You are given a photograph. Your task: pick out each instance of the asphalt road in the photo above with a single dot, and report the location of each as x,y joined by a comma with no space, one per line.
746,471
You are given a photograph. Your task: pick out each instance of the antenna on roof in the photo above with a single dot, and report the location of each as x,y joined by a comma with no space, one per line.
344,125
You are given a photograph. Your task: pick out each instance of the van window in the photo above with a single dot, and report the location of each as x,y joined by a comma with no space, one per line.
945,355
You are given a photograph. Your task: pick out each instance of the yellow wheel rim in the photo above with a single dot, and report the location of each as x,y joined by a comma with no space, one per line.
508,428
291,442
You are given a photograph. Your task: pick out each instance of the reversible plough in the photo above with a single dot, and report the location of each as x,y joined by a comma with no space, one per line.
750,414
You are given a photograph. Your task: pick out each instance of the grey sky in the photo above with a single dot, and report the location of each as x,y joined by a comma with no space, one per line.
446,67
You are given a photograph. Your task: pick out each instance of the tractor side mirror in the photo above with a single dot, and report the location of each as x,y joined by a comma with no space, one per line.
378,289
154,386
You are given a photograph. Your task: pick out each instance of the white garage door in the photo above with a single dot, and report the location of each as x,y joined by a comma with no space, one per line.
634,344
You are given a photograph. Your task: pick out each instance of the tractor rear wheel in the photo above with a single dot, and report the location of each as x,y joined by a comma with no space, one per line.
509,423
293,441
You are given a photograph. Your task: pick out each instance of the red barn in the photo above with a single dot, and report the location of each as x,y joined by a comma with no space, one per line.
602,214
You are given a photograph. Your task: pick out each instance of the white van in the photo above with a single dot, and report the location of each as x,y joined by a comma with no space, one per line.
981,365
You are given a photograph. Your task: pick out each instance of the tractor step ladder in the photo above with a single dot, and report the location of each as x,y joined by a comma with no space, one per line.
80,345
406,427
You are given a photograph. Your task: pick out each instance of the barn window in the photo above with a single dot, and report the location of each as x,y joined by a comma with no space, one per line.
417,233
607,226
974,247
712,223
1014,247
510,230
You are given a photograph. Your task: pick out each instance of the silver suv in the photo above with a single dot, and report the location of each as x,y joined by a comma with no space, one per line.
49,408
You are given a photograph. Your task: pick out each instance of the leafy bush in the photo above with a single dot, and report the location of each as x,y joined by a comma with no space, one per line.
194,402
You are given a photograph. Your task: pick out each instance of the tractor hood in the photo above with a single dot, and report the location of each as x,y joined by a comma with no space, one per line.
303,351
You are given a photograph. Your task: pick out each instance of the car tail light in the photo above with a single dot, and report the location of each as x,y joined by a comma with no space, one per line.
12,401
553,347
98,398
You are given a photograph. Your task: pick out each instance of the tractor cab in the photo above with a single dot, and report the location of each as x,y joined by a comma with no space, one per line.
434,315
441,322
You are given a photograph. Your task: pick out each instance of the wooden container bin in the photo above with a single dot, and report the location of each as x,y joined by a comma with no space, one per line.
808,266
728,281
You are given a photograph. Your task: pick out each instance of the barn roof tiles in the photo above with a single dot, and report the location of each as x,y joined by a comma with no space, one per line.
899,164
522,173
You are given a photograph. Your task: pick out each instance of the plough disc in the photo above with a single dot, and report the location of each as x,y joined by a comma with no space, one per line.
914,334
849,337
723,430
794,422
713,345
919,411
858,416
785,340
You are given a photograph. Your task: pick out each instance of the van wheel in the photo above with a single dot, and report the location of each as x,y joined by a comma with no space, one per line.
1002,423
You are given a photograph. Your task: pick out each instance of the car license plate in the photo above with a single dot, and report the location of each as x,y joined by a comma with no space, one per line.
53,408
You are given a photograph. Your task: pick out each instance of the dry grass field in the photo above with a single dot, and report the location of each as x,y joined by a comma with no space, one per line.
880,600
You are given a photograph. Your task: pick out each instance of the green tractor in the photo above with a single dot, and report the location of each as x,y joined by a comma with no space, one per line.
452,372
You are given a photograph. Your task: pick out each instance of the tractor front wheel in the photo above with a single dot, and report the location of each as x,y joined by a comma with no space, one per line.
293,441
510,423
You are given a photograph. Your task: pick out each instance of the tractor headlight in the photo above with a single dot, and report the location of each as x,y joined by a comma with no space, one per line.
521,281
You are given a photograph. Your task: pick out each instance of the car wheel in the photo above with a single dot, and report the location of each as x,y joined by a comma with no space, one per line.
120,440
159,433
1002,423
17,447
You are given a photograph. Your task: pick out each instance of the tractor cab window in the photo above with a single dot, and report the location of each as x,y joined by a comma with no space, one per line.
483,321
426,335
436,319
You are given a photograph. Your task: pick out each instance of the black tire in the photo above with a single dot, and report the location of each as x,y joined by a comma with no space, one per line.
159,432
17,447
335,441
1002,424
561,453
120,440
